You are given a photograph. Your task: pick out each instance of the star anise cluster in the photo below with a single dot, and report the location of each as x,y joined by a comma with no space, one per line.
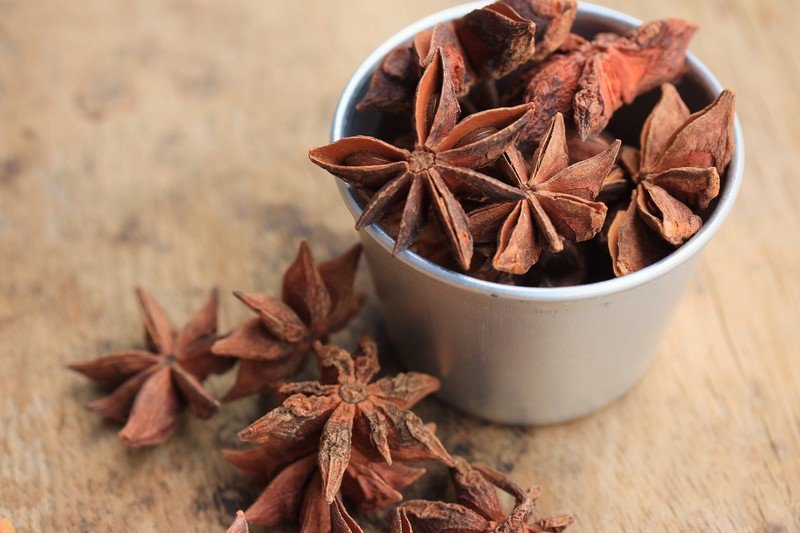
150,388
346,439
345,436
526,194
483,46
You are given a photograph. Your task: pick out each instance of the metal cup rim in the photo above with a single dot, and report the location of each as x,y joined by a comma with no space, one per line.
725,203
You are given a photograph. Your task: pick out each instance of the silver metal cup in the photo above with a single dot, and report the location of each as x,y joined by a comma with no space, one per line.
521,355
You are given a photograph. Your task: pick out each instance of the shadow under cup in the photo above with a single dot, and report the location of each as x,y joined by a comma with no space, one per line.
528,355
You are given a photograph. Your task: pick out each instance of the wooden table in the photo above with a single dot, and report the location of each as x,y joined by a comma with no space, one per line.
164,143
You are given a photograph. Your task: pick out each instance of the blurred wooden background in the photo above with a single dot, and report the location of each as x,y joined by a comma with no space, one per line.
164,143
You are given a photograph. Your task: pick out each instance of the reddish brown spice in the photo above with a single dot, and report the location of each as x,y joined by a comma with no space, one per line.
441,165
596,78
679,167
316,300
556,203
484,45
345,410
151,388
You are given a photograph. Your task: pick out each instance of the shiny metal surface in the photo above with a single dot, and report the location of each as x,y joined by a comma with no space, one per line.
522,355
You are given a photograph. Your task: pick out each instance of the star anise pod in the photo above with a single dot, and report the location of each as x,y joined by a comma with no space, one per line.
596,78
151,388
478,509
239,524
681,160
345,409
317,300
484,45
443,162
294,491
556,202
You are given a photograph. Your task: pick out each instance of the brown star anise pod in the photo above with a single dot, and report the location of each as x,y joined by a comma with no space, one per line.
294,492
681,160
346,410
151,388
596,78
316,301
443,162
556,202
478,509
239,524
484,45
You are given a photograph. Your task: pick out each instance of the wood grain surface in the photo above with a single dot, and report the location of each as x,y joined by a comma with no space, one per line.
164,143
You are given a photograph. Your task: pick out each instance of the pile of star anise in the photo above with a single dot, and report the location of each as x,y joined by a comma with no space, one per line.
343,439
497,159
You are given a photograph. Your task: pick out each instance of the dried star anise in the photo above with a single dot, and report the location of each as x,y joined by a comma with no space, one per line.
346,410
681,160
316,301
478,509
239,525
484,45
442,163
151,388
294,492
555,202
596,78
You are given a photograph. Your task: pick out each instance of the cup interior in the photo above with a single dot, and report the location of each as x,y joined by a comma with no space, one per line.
697,87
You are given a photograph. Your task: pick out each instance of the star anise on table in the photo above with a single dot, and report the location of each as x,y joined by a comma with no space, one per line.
442,164
681,160
151,388
478,509
316,301
482,46
346,410
294,490
239,524
555,202
595,78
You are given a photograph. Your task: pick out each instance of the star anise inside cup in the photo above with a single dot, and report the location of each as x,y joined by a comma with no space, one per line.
556,202
441,165
595,78
681,160
482,46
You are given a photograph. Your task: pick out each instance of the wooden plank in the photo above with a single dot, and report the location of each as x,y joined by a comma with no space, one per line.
164,143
